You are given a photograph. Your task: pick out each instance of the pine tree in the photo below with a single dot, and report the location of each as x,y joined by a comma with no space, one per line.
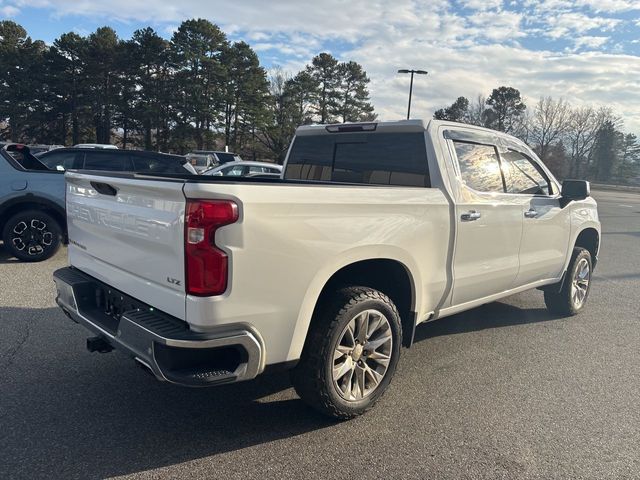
197,47
506,109
354,96
458,111
325,72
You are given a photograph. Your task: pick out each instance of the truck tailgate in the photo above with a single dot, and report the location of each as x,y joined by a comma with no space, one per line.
130,233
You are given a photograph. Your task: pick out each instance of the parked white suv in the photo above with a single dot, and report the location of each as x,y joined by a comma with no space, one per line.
373,229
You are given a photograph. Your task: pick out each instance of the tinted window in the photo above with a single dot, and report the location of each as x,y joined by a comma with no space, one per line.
64,160
372,158
522,176
106,161
479,166
158,164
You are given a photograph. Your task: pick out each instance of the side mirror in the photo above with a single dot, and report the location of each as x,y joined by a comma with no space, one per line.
575,190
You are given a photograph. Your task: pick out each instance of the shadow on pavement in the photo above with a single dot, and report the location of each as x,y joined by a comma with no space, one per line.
66,413
491,315
5,256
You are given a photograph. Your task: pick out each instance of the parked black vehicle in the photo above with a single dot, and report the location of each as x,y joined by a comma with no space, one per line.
115,160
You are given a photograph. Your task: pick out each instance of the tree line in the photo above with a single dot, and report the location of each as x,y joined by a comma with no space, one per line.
196,90
574,142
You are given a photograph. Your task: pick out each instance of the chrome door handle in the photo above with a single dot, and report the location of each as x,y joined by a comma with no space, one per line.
470,216
531,213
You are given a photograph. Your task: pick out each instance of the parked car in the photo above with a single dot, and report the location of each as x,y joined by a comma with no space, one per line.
115,160
32,217
244,168
374,229
201,162
220,157
39,149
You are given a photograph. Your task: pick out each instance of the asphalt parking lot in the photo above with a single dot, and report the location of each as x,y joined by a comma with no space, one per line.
502,391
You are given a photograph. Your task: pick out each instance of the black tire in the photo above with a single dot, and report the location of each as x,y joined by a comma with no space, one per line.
313,377
32,236
564,302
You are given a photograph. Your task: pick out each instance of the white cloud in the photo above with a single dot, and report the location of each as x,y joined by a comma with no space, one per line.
590,42
9,11
566,24
587,78
465,55
170,29
482,4
598,6
610,5
498,25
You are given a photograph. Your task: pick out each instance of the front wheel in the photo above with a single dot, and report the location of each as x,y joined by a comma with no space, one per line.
572,298
32,236
351,353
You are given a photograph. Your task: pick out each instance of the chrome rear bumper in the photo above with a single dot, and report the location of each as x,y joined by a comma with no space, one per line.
158,341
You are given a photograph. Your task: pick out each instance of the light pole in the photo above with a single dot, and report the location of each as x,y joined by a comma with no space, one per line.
419,72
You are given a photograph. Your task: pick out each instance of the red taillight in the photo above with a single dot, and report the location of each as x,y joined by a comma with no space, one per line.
206,265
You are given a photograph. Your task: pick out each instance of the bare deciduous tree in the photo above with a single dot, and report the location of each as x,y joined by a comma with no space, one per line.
549,121
476,111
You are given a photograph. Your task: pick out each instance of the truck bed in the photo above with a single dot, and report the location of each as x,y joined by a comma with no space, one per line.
290,237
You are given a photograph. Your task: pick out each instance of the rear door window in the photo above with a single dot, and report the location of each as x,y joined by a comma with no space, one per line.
479,166
369,158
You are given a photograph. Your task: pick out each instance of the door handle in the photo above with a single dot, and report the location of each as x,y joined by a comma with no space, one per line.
104,188
470,216
531,213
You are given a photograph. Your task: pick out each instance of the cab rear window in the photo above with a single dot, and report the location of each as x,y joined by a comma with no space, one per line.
369,158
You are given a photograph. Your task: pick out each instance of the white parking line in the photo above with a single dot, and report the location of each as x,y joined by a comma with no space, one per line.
626,206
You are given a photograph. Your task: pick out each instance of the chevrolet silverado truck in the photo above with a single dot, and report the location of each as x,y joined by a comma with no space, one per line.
372,229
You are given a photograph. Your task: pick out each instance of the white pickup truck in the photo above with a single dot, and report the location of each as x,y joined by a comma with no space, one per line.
373,229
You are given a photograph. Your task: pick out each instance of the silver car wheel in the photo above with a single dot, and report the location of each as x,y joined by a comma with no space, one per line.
362,355
580,283
32,237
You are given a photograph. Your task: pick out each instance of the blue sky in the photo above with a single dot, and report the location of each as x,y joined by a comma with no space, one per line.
586,51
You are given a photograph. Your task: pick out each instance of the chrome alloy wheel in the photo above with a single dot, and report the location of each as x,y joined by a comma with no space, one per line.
31,237
580,283
362,355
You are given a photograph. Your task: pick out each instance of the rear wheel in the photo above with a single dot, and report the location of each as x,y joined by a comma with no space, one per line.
32,236
351,353
572,298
